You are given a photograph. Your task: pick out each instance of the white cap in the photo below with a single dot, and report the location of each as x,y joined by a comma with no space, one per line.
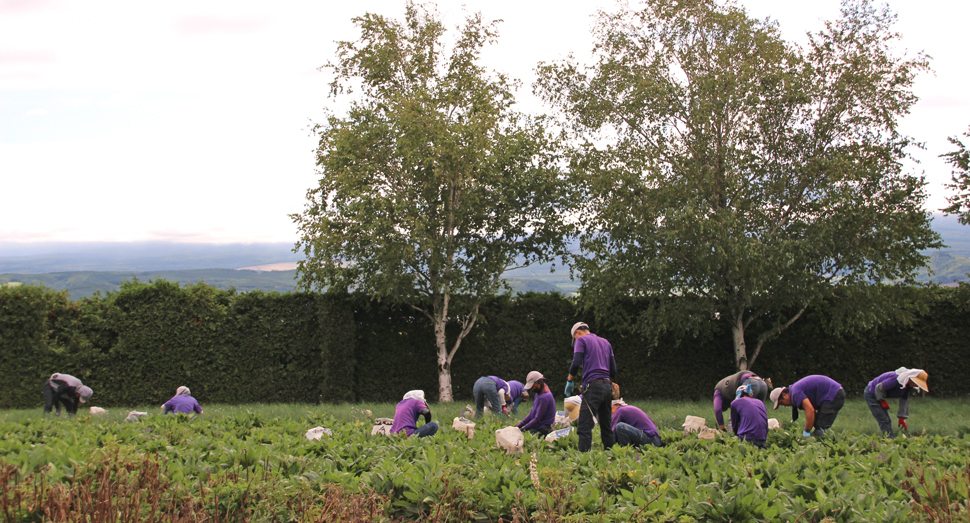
577,326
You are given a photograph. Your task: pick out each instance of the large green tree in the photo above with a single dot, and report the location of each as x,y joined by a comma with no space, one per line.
960,160
431,186
735,176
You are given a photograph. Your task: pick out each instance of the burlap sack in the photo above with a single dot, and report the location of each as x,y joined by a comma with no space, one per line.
693,424
382,426
707,433
464,425
317,433
510,439
556,434
97,411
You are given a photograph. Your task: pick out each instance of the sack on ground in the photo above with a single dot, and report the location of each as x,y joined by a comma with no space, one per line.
562,421
707,433
556,434
464,425
382,426
694,424
317,433
510,439
135,416
97,411
774,424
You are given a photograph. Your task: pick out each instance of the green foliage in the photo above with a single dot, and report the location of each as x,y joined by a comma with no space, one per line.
431,187
960,160
734,174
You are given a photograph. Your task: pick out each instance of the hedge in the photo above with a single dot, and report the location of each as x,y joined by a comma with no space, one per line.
137,345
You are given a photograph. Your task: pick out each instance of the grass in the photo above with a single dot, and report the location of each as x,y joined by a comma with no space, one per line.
928,415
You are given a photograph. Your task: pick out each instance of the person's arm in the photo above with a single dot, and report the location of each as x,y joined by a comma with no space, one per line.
718,409
735,420
880,392
426,412
197,408
541,411
528,419
575,365
903,411
809,414
612,367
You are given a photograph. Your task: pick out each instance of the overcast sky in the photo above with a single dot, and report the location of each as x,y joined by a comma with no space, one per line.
188,121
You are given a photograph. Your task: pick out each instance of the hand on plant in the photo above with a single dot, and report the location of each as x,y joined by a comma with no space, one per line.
902,423
885,406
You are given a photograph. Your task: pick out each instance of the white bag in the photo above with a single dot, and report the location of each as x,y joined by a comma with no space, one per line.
707,433
464,425
561,433
510,439
562,421
382,426
135,415
773,424
317,432
694,424
98,411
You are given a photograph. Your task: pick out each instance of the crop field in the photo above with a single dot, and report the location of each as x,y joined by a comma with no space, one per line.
253,463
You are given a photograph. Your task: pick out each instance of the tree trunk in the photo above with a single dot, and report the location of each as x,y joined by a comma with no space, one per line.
740,348
444,365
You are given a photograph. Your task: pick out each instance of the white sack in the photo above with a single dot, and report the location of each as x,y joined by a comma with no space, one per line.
510,439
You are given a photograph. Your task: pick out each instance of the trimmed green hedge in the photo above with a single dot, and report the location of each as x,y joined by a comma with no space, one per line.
137,345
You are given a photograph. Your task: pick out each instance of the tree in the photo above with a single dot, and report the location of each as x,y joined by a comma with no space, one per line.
960,160
431,187
736,177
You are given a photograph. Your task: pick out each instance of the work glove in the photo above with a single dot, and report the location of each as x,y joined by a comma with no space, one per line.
902,423
806,434
885,406
505,410
569,388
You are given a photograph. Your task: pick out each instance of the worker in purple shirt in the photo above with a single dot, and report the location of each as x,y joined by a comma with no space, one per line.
406,415
182,402
749,417
896,384
595,356
819,396
543,413
726,390
515,395
632,426
493,389
64,389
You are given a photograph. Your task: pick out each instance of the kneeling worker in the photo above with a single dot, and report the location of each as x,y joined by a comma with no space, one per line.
632,426
408,411
543,413
749,417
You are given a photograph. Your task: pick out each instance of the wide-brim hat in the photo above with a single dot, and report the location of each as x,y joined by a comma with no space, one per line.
920,380
532,378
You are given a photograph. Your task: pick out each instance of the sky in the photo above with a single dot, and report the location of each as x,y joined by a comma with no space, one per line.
190,120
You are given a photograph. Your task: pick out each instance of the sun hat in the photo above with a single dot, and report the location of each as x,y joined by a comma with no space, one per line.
532,378
577,326
776,395
920,380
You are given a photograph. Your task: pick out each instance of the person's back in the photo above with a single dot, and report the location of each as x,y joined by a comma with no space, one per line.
749,419
816,388
183,404
634,417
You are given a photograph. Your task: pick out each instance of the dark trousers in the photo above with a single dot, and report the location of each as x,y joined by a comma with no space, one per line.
55,396
881,414
627,434
825,414
597,399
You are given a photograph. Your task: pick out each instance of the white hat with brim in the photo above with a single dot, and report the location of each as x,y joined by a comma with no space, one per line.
776,395
532,378
577,326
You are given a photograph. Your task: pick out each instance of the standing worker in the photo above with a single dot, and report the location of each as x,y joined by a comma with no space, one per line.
493,389
820,397
408,411
749,417
595,356
66,390
726,392
896,384
632,426
543,413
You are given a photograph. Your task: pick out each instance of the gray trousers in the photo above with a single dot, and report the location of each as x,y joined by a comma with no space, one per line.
881,414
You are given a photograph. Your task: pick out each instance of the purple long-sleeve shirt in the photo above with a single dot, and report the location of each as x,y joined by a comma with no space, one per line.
749,418
406,415
543,413
184,404
500,384
816,388
635,418
598,361
515,390
886,385
722,403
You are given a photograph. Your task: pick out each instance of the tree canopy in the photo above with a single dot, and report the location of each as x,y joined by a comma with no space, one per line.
960,160
736,176
431,186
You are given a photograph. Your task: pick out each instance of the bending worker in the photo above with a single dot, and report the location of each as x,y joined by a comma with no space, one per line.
749,417
819,396
408,411
182,402
493,389
595,356
632,426
543,413
66,390
895,384
515,395
726,391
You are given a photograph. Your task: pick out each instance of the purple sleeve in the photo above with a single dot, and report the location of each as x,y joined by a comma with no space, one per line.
529,418
197,407
616,419
735,419
541,411
718,408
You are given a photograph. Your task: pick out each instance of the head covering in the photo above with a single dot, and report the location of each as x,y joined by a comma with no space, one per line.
743,389
85,393
776,395
619,403
918,376
183,391
577,326
532,378
415,395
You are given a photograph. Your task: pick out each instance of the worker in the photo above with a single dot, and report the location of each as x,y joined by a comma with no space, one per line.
595,355
64,389
406,415
724,392
632,426
819,396
182,402
896,384
749,417
543,413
